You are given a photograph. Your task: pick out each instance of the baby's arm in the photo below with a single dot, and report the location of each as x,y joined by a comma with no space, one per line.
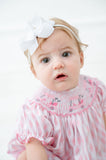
34,150
22,156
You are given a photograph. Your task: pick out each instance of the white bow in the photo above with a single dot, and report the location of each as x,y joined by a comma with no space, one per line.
38,27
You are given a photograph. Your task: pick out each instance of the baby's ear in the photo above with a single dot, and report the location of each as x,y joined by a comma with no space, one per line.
33,70
81,59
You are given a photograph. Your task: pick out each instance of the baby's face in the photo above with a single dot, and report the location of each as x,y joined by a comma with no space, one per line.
57,62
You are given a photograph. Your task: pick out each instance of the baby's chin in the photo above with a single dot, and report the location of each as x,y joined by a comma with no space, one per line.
62,88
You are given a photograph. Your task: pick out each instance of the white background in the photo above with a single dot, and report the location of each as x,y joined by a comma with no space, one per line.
16,80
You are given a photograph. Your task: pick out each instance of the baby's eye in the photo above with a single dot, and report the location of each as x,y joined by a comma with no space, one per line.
45,60
66,54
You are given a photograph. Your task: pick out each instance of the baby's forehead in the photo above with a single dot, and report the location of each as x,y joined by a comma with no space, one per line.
59,38
57,42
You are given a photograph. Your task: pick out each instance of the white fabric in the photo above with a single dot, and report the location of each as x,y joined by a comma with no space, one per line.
38,27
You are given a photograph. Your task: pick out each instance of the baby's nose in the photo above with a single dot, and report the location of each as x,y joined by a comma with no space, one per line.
58,65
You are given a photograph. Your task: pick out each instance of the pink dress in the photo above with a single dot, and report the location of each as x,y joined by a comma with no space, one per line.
69,124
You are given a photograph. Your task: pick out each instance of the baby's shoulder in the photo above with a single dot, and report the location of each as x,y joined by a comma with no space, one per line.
93,83
36,100
33,106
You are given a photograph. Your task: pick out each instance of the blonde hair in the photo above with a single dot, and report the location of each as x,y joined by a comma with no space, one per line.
59,21
75,31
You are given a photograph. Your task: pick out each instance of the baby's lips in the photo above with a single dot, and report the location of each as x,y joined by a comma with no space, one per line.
60,76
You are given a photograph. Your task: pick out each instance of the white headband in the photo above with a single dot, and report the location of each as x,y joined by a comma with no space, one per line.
41,28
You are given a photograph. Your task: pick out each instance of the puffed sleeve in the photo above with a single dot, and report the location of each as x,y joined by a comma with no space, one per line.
33,122
101,91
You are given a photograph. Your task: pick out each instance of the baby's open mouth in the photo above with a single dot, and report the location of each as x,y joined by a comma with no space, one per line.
61,76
